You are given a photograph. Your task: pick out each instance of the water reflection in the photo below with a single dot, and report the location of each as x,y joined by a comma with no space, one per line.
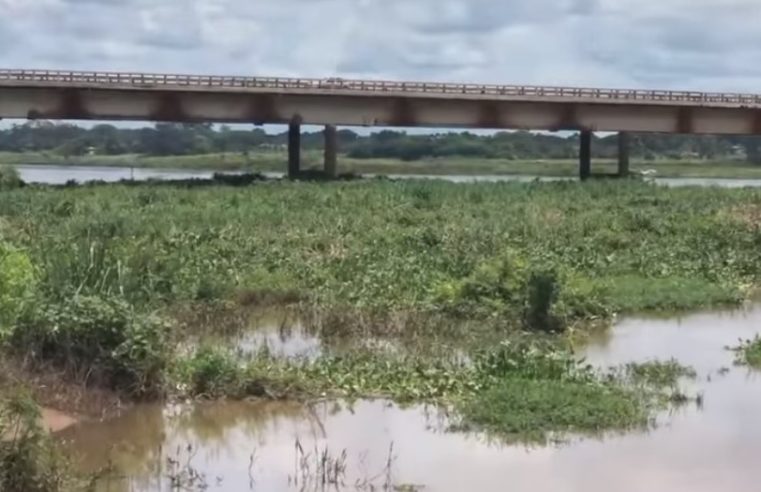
708,449
247,332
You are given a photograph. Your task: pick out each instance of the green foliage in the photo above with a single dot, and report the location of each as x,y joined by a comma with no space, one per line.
168,139
211,372
100,338
749,352
658,374
527,409
531,359
523,388
543,256
634,293
543,292
17,284
497,283
29,460
9,178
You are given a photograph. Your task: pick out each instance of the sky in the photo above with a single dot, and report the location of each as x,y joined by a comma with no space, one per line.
669,44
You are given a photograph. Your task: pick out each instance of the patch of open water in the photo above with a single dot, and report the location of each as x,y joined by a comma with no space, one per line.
716,446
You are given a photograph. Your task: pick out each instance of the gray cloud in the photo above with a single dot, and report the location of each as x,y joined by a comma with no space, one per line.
697,44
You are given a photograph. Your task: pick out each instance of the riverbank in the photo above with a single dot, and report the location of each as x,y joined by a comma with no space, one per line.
465,296
544,257
274,161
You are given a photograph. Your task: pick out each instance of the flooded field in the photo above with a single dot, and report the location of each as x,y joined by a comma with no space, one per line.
372,445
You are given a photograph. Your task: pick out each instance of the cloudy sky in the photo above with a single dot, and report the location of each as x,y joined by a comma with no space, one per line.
689,44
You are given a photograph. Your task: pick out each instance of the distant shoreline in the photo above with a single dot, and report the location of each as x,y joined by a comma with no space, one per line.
276,162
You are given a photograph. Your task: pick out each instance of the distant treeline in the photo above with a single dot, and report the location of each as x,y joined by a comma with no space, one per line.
184,139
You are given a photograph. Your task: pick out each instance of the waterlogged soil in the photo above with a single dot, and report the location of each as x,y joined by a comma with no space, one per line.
271,446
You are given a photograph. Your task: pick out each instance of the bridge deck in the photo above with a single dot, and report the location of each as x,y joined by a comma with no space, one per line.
311,86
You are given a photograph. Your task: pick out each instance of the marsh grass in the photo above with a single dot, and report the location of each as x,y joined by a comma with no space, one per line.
749,352
469,250
532,410
406,261
658,374
520,389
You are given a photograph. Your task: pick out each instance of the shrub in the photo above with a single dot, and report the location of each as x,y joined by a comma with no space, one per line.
17,283
543,289
29,461
498,284
212,373
102,338
9,178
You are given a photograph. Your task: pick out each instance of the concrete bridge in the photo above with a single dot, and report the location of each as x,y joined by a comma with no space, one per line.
43,94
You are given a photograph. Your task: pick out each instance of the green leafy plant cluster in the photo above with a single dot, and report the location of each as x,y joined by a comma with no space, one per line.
749,352
17,285
100,340
29,459
544,256
9,178
523,388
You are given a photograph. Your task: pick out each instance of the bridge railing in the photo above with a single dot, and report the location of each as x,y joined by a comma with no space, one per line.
337,84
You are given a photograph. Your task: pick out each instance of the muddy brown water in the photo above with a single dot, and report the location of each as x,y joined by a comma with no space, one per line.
714,447
278,331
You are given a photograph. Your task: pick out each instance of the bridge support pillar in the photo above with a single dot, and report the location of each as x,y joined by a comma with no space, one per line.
623,154
331,151
585,154
294,150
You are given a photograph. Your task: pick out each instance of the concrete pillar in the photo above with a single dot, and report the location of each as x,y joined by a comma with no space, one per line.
585,154
623,154
331,151
294,150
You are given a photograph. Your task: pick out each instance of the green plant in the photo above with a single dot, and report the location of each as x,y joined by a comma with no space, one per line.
658,374
527,409
98,339
212,373
29,460
9,178
543,292
17,284
749,352
550,254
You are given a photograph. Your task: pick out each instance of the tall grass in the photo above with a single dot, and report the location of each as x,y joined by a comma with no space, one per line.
536,256
470,250
9,178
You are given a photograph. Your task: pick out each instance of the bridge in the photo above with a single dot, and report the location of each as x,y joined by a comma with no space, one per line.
46,94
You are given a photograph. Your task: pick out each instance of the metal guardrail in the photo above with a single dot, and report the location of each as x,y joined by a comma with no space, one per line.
168,80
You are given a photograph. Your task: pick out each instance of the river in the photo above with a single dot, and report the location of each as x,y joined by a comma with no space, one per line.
51,174
272,446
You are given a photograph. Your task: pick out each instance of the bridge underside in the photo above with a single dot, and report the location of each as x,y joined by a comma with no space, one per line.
376,110
262,106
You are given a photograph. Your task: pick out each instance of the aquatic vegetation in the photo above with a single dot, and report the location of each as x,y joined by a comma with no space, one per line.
578,252
96,340
530,409
413,261
658,374
749,352
29,460
521,388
